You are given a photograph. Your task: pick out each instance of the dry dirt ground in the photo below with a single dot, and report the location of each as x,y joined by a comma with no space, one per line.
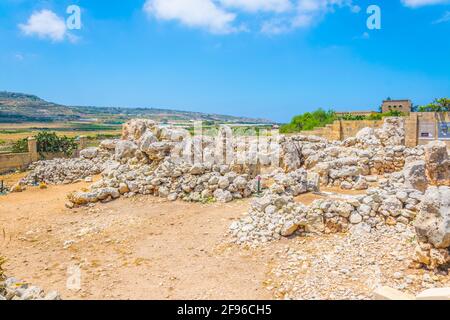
149,248
141,248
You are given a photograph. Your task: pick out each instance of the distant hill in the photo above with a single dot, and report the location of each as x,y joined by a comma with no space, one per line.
19,107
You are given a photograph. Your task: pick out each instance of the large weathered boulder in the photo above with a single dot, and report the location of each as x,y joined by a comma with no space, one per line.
146,140
223,196
134,129
392,206
108,144
82,198
172,134
125,149
367,137
105,193
437,163
415,175
290,155
433,221
89,153
345,172
158,150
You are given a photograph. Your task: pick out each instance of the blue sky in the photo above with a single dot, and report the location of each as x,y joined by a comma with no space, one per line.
271,58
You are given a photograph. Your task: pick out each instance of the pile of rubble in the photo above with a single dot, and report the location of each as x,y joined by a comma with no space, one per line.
398,199
168,180
143,163
277,215
91,162
13,289
348,164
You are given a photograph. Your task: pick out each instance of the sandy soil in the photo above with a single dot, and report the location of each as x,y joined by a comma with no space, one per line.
141,248
11,179
308,198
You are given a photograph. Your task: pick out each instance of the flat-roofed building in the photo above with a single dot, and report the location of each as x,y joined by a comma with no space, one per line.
404,106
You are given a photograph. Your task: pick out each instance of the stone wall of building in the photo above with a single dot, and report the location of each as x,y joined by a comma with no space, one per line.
424,127
404,106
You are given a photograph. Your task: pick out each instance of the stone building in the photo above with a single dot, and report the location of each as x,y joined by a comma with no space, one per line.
404,106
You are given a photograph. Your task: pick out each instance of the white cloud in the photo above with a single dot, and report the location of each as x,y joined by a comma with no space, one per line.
45,24
315,6
253,6
275,27
193,13
305,14
221,16
421,3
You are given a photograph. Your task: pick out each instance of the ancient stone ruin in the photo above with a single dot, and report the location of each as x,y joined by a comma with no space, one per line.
395,185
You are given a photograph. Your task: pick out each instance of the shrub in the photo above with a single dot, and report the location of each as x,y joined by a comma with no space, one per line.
351,117
50,142
309,121
375,116
20,146
47,142
380,116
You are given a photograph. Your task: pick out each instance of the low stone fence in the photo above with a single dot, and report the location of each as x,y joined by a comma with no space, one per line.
20,161
342,129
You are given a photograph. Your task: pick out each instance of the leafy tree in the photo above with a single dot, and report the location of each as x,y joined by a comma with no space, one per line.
438,105
50,142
